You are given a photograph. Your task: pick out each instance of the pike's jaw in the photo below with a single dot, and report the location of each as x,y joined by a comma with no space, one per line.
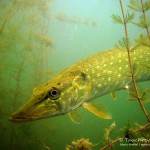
22,117
33,112
19,118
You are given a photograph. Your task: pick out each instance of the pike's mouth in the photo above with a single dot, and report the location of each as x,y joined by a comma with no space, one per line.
20,116
31,112
19,119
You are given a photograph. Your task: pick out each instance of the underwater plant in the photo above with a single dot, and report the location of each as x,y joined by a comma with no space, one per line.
126,44
81,144
76,20
20,42
79,84
128,131
134,92
108,132
145,132
144,22
38,61
44,145
138,96
23,38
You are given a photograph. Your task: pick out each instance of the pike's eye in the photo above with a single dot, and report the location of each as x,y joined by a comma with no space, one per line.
54,94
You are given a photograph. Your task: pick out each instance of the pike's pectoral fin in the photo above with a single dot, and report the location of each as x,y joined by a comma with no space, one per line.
98,109
76,116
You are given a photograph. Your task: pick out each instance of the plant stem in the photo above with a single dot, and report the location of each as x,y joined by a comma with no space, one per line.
130,64
144,15
3,25
18,80
117,140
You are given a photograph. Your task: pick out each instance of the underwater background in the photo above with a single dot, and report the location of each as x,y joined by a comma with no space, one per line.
38,39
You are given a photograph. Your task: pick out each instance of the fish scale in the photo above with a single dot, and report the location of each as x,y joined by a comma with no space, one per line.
81,83
109,70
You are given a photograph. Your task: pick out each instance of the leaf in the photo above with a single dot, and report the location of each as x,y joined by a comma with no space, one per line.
143,40
145,132
117,19
108,132
147,5
129,17
141,24
135,5
122,44
144,94
128,131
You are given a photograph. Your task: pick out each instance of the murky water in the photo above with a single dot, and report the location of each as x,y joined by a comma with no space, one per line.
38,39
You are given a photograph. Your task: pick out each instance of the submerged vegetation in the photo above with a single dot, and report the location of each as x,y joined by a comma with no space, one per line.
144,21
81,144
108,132
135,93
140,134
76,20
24,47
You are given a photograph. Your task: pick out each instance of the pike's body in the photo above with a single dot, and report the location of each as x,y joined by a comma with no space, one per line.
86,80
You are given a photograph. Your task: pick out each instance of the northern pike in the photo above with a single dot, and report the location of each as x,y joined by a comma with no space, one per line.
81,83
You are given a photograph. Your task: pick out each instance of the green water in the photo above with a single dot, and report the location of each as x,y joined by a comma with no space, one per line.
38,39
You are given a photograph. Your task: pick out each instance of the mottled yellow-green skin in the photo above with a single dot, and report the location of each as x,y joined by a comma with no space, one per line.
86,80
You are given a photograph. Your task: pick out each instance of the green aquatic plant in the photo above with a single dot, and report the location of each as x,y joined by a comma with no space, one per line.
81,144
127,45
17,76
136,5
63,17
108,132
143,40
7,11
46,147
129,17
144,94
134,92
20,53
144,22
39,59
123,43
144,132
128,131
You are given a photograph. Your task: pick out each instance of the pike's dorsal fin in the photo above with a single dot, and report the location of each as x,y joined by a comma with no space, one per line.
76,116
98,109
